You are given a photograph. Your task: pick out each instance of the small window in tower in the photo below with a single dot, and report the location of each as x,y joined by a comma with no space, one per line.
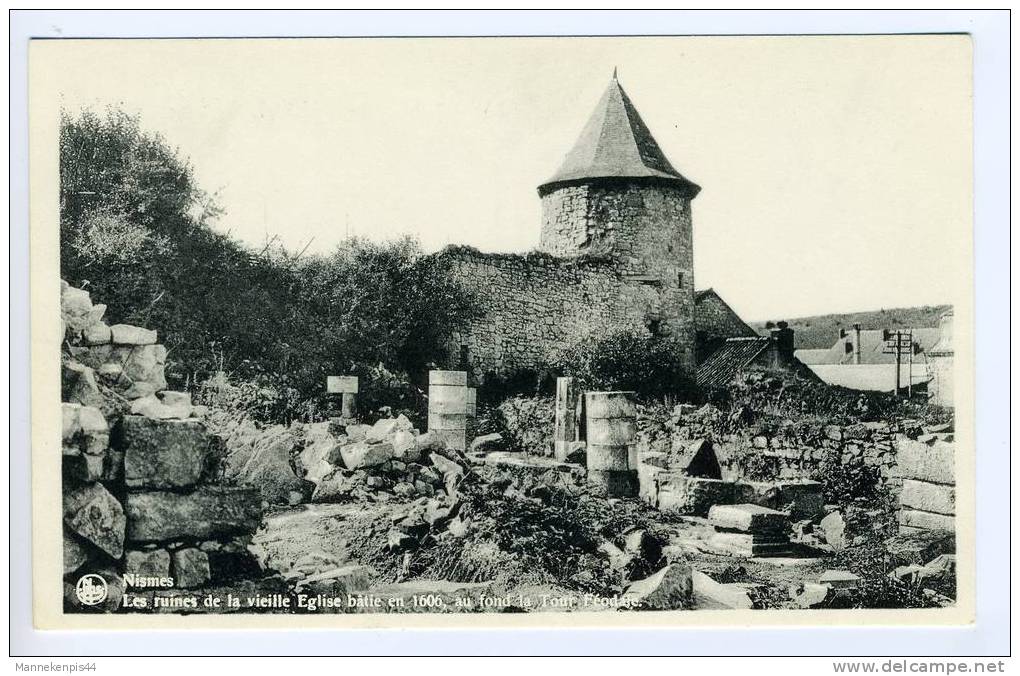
680,279
655,327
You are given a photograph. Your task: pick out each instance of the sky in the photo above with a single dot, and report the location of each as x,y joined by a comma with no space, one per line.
835,171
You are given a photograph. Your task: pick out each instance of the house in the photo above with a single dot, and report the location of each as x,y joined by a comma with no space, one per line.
859,359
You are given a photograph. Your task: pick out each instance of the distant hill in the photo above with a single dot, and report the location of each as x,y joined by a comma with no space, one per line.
822,330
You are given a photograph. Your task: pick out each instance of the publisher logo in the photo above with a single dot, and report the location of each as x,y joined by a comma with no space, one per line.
91,589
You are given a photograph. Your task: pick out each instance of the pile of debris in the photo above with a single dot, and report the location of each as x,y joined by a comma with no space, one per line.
379,462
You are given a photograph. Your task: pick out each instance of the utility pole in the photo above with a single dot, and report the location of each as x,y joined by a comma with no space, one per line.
900,343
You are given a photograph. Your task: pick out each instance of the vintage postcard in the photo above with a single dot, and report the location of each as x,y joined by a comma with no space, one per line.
502,331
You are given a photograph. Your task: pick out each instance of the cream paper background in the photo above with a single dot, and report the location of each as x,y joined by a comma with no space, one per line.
52,62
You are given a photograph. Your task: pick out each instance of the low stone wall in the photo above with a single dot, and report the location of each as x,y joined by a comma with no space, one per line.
141,506
926,467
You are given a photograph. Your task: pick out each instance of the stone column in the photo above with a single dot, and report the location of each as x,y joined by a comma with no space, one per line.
448,396
568,408
611,426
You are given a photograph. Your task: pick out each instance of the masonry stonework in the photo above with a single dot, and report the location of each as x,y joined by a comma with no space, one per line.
534,306
615,253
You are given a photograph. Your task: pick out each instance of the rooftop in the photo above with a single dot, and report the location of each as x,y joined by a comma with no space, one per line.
616,143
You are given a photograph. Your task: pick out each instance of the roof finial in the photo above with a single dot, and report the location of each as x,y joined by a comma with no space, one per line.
614,72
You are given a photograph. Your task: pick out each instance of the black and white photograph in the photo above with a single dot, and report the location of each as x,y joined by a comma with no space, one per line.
489,331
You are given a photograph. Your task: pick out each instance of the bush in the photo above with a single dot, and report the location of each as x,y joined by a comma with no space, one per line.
139,234
846,481
650,365
527,424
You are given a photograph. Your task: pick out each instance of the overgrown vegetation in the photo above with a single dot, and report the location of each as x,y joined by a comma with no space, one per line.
138,233
650,365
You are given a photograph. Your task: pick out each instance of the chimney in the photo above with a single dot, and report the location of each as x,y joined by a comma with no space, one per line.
857,343
782,336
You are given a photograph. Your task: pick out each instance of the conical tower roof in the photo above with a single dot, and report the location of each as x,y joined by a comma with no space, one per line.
615,143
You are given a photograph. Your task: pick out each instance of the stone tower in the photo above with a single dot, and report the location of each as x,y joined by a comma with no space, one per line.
617,196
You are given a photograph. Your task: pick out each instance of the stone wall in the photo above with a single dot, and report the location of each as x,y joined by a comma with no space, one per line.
535,305
142,506
926,467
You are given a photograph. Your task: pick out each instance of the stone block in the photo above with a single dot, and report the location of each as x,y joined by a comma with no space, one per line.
191,568
125,334
363,454
926,520
75,554
748,518
204,513
94,514
671,588
448,378
692,495
97,333
382,430
151,563
709,594
840,579
928,497
162,453
803,499
78,385
916,460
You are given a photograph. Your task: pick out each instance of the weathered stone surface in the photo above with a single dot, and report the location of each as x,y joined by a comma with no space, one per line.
840,579
69,420
933,463
692,495
671,588
143,363
316,457
75,554
920,547
78,385
747,518
125,334
268,467
926,520
382,430
75,306
206,512
405,445
803,499
811,595
928,497
709,594
152,563
162,453
833,528
191,568
97,333
94,514
79,468
364,454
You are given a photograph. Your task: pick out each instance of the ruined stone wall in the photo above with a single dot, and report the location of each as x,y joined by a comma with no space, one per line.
646,228
535,305
140,472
